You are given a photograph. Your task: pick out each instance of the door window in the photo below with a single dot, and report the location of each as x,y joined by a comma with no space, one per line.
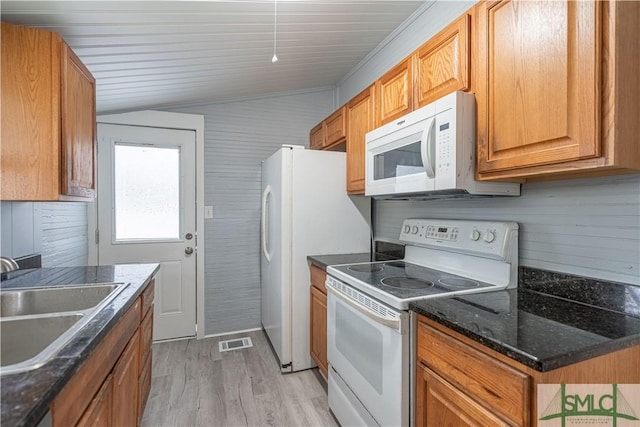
146,193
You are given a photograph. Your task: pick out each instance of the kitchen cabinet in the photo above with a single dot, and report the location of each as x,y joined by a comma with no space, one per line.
394,92
335,127
146,339
316,137
443,63
555,88
318,316
107,391
99,412
360,119
460,382
48,118
125,385
330,132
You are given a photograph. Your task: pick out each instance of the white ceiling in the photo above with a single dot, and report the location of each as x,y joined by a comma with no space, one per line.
147,54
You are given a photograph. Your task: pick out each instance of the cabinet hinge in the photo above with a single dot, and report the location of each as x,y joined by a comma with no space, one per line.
97,235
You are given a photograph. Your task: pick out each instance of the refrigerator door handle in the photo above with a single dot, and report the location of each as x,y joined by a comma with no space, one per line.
265,226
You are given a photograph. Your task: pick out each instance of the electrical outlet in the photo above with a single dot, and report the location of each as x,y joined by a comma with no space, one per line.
208,212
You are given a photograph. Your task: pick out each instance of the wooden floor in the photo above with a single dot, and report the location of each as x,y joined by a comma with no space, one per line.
193,384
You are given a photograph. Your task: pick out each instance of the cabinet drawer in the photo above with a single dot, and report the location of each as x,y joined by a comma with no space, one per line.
146,336
504,389
147,296
318,278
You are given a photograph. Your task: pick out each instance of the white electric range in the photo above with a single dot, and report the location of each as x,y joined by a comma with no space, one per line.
369,330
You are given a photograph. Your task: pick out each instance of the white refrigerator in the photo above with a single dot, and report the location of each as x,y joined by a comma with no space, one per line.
305,211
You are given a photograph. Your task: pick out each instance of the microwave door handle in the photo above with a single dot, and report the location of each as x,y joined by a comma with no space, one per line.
427,149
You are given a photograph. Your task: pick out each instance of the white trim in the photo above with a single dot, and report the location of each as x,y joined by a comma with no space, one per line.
223,334
162,119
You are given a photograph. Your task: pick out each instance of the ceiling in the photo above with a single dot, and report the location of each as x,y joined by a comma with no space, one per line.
149,54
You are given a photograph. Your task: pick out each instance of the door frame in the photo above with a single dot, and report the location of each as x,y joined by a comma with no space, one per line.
163,119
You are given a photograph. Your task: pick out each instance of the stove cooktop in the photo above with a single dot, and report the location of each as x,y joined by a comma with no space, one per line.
399,282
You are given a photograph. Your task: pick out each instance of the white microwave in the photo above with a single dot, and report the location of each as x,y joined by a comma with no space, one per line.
430,152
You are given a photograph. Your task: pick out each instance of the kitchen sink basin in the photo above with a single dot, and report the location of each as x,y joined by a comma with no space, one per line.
36,323
27,302
23,338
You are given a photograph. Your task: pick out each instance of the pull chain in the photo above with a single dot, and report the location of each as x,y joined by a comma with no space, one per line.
275,30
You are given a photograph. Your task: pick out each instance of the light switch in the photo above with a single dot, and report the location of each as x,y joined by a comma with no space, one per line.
208,212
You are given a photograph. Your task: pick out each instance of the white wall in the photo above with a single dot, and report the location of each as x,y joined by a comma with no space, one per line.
238,136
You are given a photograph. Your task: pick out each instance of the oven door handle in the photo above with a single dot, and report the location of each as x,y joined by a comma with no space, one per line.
393,323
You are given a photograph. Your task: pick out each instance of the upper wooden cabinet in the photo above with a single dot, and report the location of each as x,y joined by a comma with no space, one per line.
330,132
316,137
48,118
335,127
360,120
556,87
394,92
442,63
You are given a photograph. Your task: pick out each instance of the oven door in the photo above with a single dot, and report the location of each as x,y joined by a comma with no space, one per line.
368,348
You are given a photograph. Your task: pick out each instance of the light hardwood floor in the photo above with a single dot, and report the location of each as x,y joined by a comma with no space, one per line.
193,384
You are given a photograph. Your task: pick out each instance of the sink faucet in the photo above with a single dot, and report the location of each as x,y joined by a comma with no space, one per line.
7,265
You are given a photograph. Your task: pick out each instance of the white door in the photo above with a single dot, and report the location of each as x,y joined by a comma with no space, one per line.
146,214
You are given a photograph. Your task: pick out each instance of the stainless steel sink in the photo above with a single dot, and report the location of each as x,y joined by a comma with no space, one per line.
36,323
24,338
52,300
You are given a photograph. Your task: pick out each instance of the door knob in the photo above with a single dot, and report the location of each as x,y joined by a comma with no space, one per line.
188,250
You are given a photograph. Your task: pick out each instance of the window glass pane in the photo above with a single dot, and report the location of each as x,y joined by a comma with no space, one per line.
147,192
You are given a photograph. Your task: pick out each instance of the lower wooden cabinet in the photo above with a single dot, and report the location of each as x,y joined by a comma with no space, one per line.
112,386
318,317
125,385
460,382
439,403
99,412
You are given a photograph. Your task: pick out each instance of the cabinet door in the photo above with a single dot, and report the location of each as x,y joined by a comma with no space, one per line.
98,414
438,403
394,92
316,137
125,385
442,63
538,84
335,127
360,120
319,330
30,119
78,126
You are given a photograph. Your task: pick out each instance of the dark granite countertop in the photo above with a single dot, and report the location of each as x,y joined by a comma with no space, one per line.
26,396
551,320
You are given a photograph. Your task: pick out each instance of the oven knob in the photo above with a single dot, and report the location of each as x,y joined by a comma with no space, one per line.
475,235
414,229
489,236
407,228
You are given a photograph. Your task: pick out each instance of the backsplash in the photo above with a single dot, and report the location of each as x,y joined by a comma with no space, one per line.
589,227
57,231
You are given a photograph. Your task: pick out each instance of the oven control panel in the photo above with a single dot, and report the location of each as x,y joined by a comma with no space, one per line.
489,239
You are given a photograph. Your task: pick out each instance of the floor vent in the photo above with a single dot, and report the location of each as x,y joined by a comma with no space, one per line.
235,344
